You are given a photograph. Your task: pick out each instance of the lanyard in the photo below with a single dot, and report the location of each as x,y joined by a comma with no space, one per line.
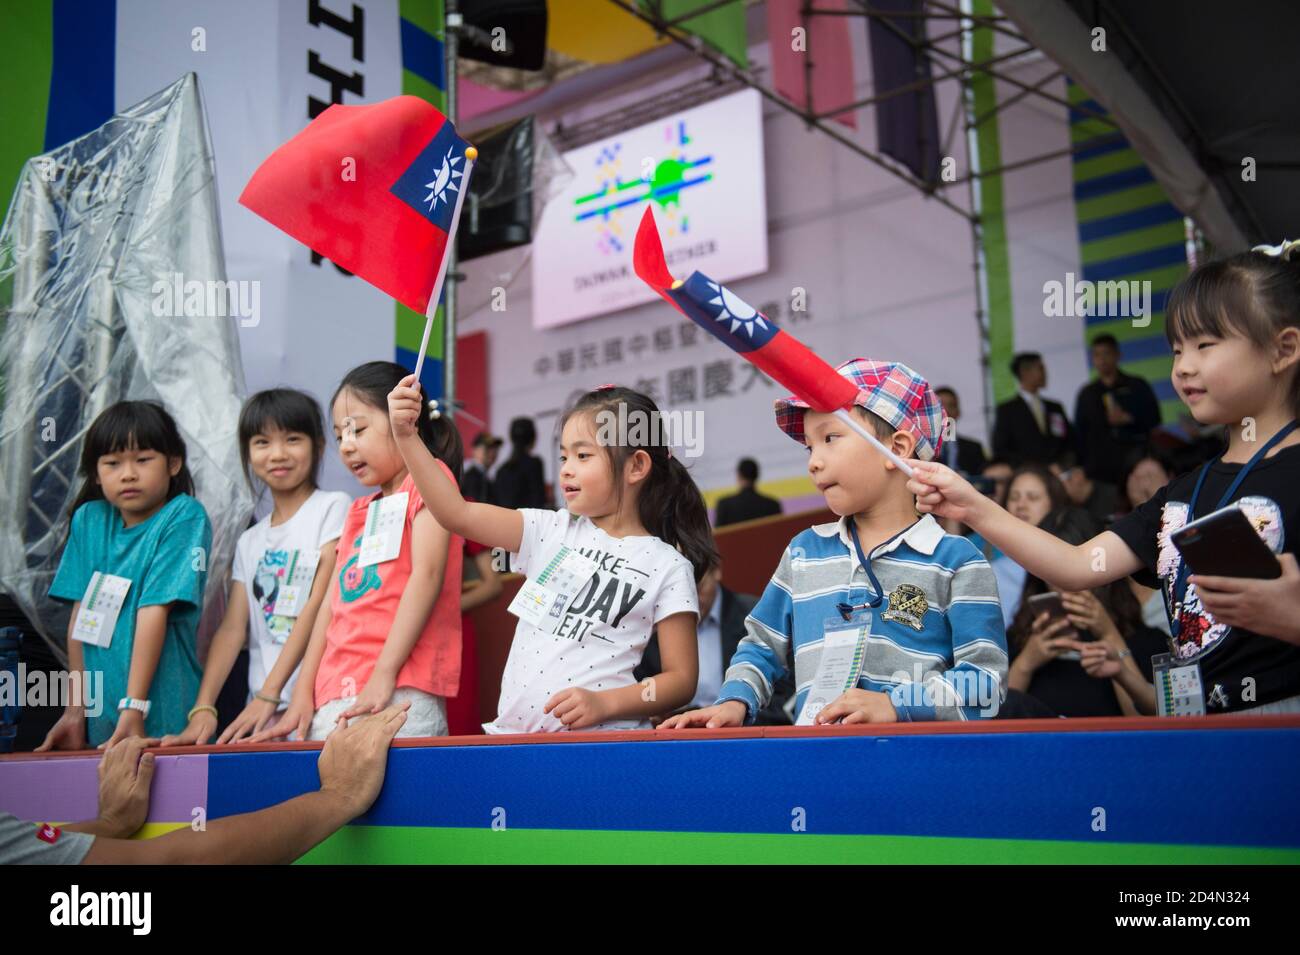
877,593
1180,581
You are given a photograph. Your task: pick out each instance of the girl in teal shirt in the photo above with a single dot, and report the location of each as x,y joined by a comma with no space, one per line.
135,519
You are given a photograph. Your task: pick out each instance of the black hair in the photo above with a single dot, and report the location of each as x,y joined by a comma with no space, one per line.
131,426
1105,339
373,381
1023,359
523,435
1250,294
670,506
747,468
285,409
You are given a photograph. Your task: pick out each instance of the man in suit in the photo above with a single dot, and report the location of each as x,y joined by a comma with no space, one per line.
746,504
1031,429
720,630
1114,414
960,454
474,480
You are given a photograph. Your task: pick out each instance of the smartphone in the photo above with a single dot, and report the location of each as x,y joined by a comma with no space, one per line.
1224,544
1050,603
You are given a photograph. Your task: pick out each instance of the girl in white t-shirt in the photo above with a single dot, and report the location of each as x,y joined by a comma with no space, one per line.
282,567
635,515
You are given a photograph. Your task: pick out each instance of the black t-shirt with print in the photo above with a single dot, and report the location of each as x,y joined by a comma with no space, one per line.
1065,687
1231,659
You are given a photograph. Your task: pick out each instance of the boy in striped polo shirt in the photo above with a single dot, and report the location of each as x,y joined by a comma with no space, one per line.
937,649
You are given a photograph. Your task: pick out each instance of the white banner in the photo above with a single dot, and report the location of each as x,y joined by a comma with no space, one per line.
702,169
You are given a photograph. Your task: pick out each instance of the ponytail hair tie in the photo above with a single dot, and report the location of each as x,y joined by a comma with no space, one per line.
609,387
1284,250
434,411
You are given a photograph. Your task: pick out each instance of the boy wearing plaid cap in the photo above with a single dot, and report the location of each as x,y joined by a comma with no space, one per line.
936,648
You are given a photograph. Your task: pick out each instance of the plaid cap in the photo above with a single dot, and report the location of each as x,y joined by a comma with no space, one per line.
888,389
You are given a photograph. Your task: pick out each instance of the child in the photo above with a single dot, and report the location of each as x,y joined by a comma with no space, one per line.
281,442
136,523
1233,326
936,648
630,507
390,630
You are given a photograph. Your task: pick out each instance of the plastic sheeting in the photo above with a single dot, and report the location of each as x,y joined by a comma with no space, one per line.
100,234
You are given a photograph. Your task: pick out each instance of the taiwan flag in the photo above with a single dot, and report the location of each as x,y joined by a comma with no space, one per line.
375,189
740,327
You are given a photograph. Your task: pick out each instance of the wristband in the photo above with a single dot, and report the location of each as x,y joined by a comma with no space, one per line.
202,708
259,695
128,703
1126,652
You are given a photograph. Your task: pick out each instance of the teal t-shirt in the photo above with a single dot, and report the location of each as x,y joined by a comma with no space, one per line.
166,560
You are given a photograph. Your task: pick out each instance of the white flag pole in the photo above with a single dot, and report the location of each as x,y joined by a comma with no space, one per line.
875,442
432,309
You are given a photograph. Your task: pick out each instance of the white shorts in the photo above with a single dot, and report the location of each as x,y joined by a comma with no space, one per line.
426,717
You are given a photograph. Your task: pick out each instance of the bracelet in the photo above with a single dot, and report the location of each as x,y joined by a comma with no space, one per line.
259,695
1126,652
202,707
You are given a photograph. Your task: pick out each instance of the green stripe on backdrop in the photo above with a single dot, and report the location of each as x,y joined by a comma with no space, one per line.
997,257
26,62
1138,240
426,15
1132,242
414,845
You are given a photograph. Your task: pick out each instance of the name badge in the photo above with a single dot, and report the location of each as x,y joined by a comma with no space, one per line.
295,588
385,525
542,602
1179,691
844,651
99,609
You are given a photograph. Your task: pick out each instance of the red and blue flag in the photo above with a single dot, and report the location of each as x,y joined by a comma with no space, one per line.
741,327
375,189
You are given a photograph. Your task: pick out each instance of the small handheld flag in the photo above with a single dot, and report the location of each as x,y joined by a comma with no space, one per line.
377,190
750,334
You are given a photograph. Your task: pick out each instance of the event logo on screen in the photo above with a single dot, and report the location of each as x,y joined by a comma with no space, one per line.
614,206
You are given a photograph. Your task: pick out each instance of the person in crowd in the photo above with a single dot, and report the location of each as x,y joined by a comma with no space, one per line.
938,649
961,454
136,560
1234,326
746,504
476,481
351,768
1114,414
272,603
389,630
520,480
1031,429
1099,498
620,560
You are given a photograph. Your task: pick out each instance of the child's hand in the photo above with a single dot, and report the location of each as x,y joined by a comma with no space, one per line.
577,709
943,492
730,713
129,723
196,733
858,706
1256,604
297,718
68,733
404,409
377,694
254,718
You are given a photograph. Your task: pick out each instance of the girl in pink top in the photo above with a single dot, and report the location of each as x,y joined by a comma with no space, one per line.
389,632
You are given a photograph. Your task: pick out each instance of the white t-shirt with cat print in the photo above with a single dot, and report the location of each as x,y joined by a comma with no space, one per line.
262,560
639,582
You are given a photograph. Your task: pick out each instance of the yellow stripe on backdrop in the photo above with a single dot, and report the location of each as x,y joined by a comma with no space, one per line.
781,490
598,32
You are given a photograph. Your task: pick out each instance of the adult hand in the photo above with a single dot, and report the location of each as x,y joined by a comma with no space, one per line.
352,764
125,775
